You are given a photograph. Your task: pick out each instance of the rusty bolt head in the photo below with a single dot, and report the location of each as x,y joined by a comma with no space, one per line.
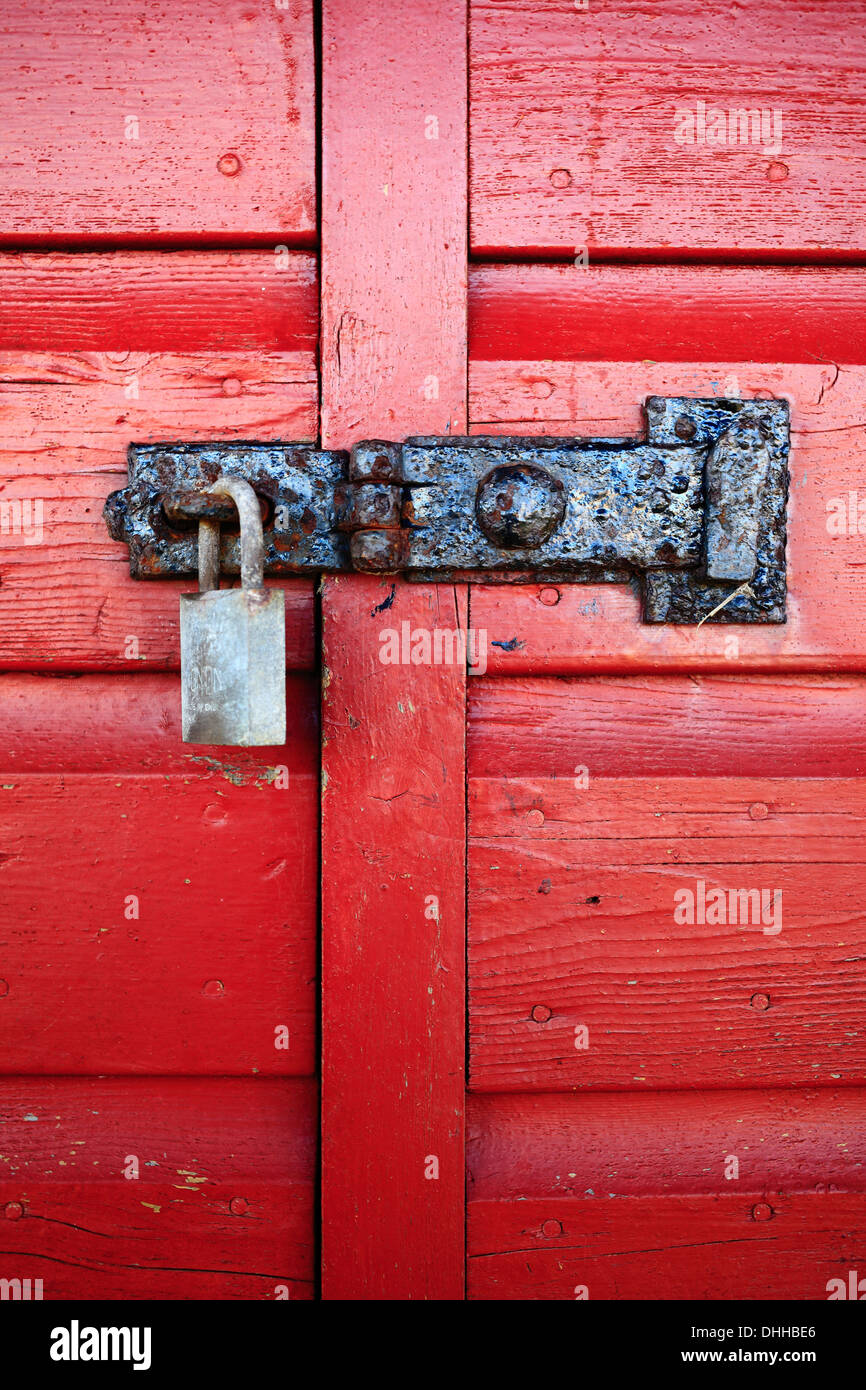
376,552
376,460
519,505
685,427
541,1013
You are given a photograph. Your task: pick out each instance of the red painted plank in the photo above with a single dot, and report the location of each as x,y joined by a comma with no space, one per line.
575,120
183,892
94,723
572,628
221,1207
393,891
599,956
534,313
66,599
666,1248
159,301
658,726
674,1144
743,1195
393,815
394,221
142,122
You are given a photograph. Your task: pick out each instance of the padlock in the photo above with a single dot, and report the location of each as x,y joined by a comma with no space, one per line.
233,641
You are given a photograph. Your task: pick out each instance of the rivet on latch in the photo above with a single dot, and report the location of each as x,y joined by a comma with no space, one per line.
233,641
519,505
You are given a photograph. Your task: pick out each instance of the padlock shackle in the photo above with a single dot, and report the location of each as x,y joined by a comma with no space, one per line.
252,532
208,556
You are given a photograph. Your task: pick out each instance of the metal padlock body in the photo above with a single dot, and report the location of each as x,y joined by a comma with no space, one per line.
233,641
233,664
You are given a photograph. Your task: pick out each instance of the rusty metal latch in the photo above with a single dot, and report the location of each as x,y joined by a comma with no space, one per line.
696,510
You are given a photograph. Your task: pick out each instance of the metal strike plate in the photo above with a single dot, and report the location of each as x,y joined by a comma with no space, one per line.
743,576
695,511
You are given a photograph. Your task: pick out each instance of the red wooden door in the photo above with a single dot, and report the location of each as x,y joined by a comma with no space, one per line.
509,1068
159,901
653,1108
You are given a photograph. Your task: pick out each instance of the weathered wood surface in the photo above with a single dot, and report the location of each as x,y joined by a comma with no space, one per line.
393,905
666,932
667,726
159,301
222,1206
666,313
66,598
394,220
145,122
740,1195
574,123
160,900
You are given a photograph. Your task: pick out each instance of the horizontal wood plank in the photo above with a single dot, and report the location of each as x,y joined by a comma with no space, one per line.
742,1195
159,301
704,1247
580,627
142,122
159,903
666,313
666,932
159,1188
673,1144
575,116
61,723
808,820
67,601
667,726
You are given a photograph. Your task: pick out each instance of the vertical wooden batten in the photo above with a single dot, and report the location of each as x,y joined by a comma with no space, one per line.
393,326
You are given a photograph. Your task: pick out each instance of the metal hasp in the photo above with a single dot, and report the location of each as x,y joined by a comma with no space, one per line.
695,511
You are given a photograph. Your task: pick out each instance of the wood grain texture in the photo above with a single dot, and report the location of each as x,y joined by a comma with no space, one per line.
667,726
676,1144
159,904
594,964
672,313
692,1248
159,301
637,1197
394,220
573,122
118,122
66,599
578,627
222,1207
394,214
393,992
